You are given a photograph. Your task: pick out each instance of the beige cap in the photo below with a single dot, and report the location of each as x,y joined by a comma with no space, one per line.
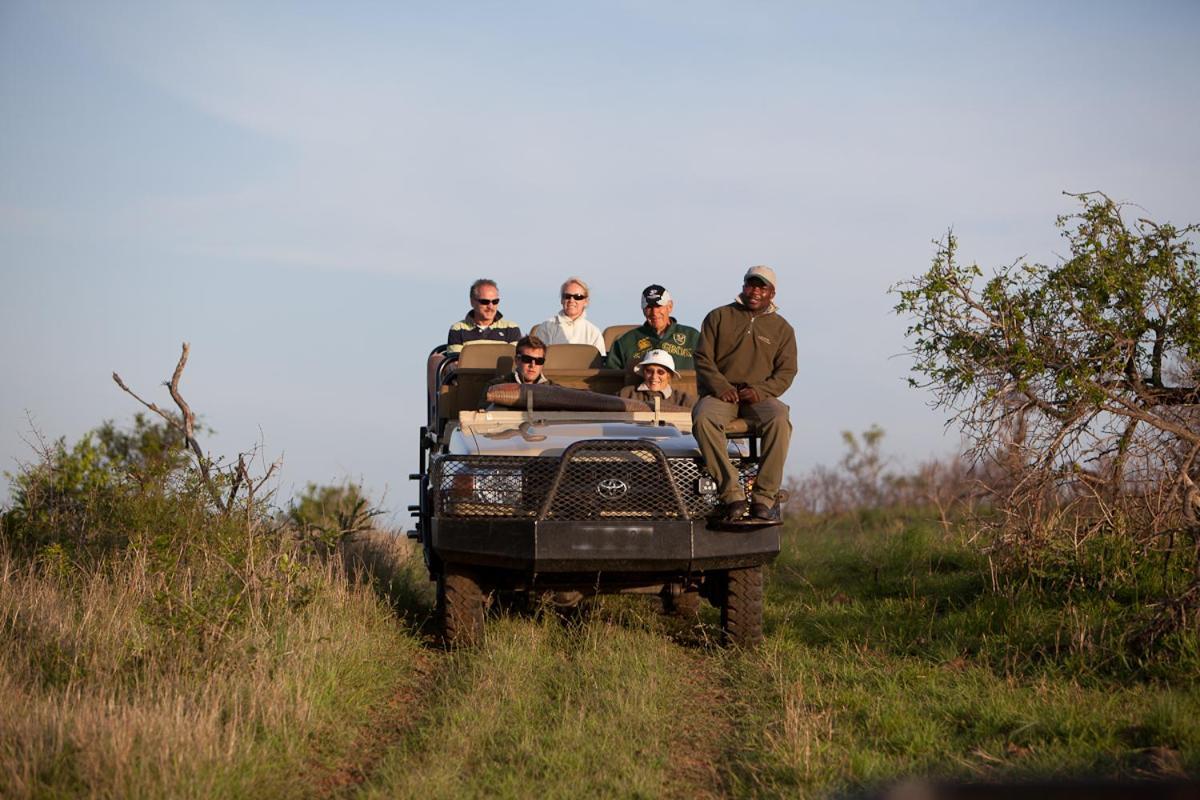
763,272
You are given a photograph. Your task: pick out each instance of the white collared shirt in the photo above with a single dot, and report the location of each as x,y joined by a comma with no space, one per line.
666,393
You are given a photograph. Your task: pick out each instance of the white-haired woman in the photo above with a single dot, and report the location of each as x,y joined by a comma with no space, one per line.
570,326
656,370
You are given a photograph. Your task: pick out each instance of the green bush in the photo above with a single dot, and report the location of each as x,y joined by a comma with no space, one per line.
326,515
136,493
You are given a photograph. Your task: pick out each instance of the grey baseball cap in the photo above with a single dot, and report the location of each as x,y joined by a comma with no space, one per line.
763,273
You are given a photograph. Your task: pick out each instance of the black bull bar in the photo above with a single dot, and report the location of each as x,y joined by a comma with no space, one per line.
539,546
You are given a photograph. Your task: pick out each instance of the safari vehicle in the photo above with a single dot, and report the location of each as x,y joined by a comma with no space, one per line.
578,502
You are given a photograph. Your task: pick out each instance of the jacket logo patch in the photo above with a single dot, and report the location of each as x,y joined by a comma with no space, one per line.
643,344
680,338
763,339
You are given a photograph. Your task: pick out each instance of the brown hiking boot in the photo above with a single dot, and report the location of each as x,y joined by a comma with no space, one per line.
732,512
761,511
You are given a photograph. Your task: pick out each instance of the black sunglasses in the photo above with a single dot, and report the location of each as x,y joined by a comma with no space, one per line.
524,359
569,296
483,301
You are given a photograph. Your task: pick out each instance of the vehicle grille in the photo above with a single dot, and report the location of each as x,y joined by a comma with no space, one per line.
516,487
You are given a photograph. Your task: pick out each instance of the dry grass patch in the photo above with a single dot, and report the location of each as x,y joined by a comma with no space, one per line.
98,702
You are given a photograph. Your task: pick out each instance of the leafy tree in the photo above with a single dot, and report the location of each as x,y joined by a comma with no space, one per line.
1081,373
327,514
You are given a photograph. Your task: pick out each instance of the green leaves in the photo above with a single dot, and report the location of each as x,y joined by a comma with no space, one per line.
1121,307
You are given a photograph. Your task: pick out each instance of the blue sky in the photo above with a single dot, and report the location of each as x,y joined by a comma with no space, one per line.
304,191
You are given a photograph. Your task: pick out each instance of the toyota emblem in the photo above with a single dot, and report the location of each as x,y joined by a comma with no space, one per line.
611,488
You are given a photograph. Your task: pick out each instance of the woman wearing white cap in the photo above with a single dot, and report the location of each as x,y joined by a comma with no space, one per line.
656,370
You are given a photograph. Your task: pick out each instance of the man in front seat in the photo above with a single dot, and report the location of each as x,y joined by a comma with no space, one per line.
527,366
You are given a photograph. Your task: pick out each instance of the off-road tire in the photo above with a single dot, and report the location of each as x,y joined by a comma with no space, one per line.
742,607
685,605
460,607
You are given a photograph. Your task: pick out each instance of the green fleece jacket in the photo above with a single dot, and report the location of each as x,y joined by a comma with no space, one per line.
737,347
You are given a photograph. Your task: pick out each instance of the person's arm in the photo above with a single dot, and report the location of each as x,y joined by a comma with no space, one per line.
512,334
684,399
454,340
707,373
551,332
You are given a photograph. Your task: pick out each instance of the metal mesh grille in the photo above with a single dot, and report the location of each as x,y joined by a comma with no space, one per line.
688,473
611,479
517,486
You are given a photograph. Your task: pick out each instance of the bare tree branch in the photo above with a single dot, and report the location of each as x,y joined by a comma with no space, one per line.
188,425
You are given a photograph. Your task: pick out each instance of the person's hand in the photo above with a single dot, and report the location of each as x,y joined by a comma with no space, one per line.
729,395
747,394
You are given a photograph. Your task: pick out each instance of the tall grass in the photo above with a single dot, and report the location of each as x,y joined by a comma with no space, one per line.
98,702
158,638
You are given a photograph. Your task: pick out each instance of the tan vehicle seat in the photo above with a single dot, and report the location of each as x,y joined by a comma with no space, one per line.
494,356
614,332
572,357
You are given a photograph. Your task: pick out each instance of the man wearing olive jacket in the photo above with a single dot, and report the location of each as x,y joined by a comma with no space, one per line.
745,360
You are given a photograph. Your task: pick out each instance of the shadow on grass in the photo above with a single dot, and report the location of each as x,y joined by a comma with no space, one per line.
394,568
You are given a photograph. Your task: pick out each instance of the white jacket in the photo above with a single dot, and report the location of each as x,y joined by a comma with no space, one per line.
561,329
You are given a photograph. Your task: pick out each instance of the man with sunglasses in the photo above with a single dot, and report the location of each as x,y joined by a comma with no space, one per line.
483,322
660,332
570,325
527,365
745,360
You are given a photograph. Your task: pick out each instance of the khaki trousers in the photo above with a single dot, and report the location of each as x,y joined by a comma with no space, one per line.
709,418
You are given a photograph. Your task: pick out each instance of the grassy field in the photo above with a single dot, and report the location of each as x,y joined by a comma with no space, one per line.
889,654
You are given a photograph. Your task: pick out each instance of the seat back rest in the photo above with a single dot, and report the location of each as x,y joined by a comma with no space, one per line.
478,363
572,356
686,382
614,332
496,356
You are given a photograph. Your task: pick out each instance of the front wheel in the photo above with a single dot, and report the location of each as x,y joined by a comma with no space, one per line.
460,606
742,607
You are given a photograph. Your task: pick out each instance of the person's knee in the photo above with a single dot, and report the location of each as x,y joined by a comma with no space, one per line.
710,421
776,424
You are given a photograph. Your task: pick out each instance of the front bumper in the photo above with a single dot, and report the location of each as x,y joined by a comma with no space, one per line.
624,546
